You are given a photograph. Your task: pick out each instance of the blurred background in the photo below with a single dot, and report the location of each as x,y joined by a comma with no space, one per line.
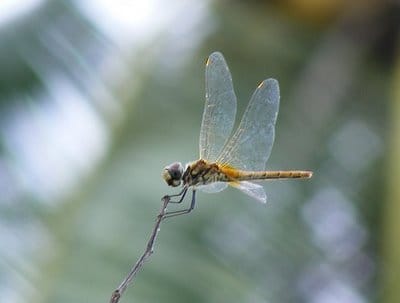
96,97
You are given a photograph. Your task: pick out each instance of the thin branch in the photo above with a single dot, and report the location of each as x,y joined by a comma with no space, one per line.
117,294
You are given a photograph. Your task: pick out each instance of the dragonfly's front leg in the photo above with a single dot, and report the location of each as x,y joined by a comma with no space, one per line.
183,211
181,194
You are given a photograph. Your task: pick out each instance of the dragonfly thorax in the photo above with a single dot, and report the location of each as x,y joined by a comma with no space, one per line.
203,172
172,174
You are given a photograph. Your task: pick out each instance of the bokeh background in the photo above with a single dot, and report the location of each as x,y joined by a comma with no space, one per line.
96,97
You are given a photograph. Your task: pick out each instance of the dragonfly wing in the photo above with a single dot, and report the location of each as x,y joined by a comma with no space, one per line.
251,144
213,187
219,110
255,191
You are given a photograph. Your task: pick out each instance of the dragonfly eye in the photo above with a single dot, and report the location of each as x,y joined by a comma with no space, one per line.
172,174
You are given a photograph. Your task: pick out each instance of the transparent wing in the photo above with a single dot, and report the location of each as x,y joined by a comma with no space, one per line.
219,110
255,191
213,187
251,144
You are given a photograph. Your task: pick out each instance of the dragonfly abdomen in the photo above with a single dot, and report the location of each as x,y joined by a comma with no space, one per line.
278,174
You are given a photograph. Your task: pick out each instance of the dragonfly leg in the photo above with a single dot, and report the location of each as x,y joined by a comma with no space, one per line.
181,194
183,211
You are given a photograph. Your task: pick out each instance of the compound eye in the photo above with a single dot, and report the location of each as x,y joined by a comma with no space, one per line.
176,174
172,174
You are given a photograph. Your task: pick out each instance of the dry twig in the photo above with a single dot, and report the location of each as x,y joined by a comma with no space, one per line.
116,295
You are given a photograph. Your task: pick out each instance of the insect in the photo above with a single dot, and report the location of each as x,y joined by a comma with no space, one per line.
236,160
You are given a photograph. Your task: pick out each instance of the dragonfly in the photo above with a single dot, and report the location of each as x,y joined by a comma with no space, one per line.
236,160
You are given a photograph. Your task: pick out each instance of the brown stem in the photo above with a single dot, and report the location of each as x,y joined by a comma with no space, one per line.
116,295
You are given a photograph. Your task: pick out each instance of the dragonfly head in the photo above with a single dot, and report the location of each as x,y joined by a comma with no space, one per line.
172,174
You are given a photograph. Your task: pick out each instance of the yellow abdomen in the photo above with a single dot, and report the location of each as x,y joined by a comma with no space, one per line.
241,175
